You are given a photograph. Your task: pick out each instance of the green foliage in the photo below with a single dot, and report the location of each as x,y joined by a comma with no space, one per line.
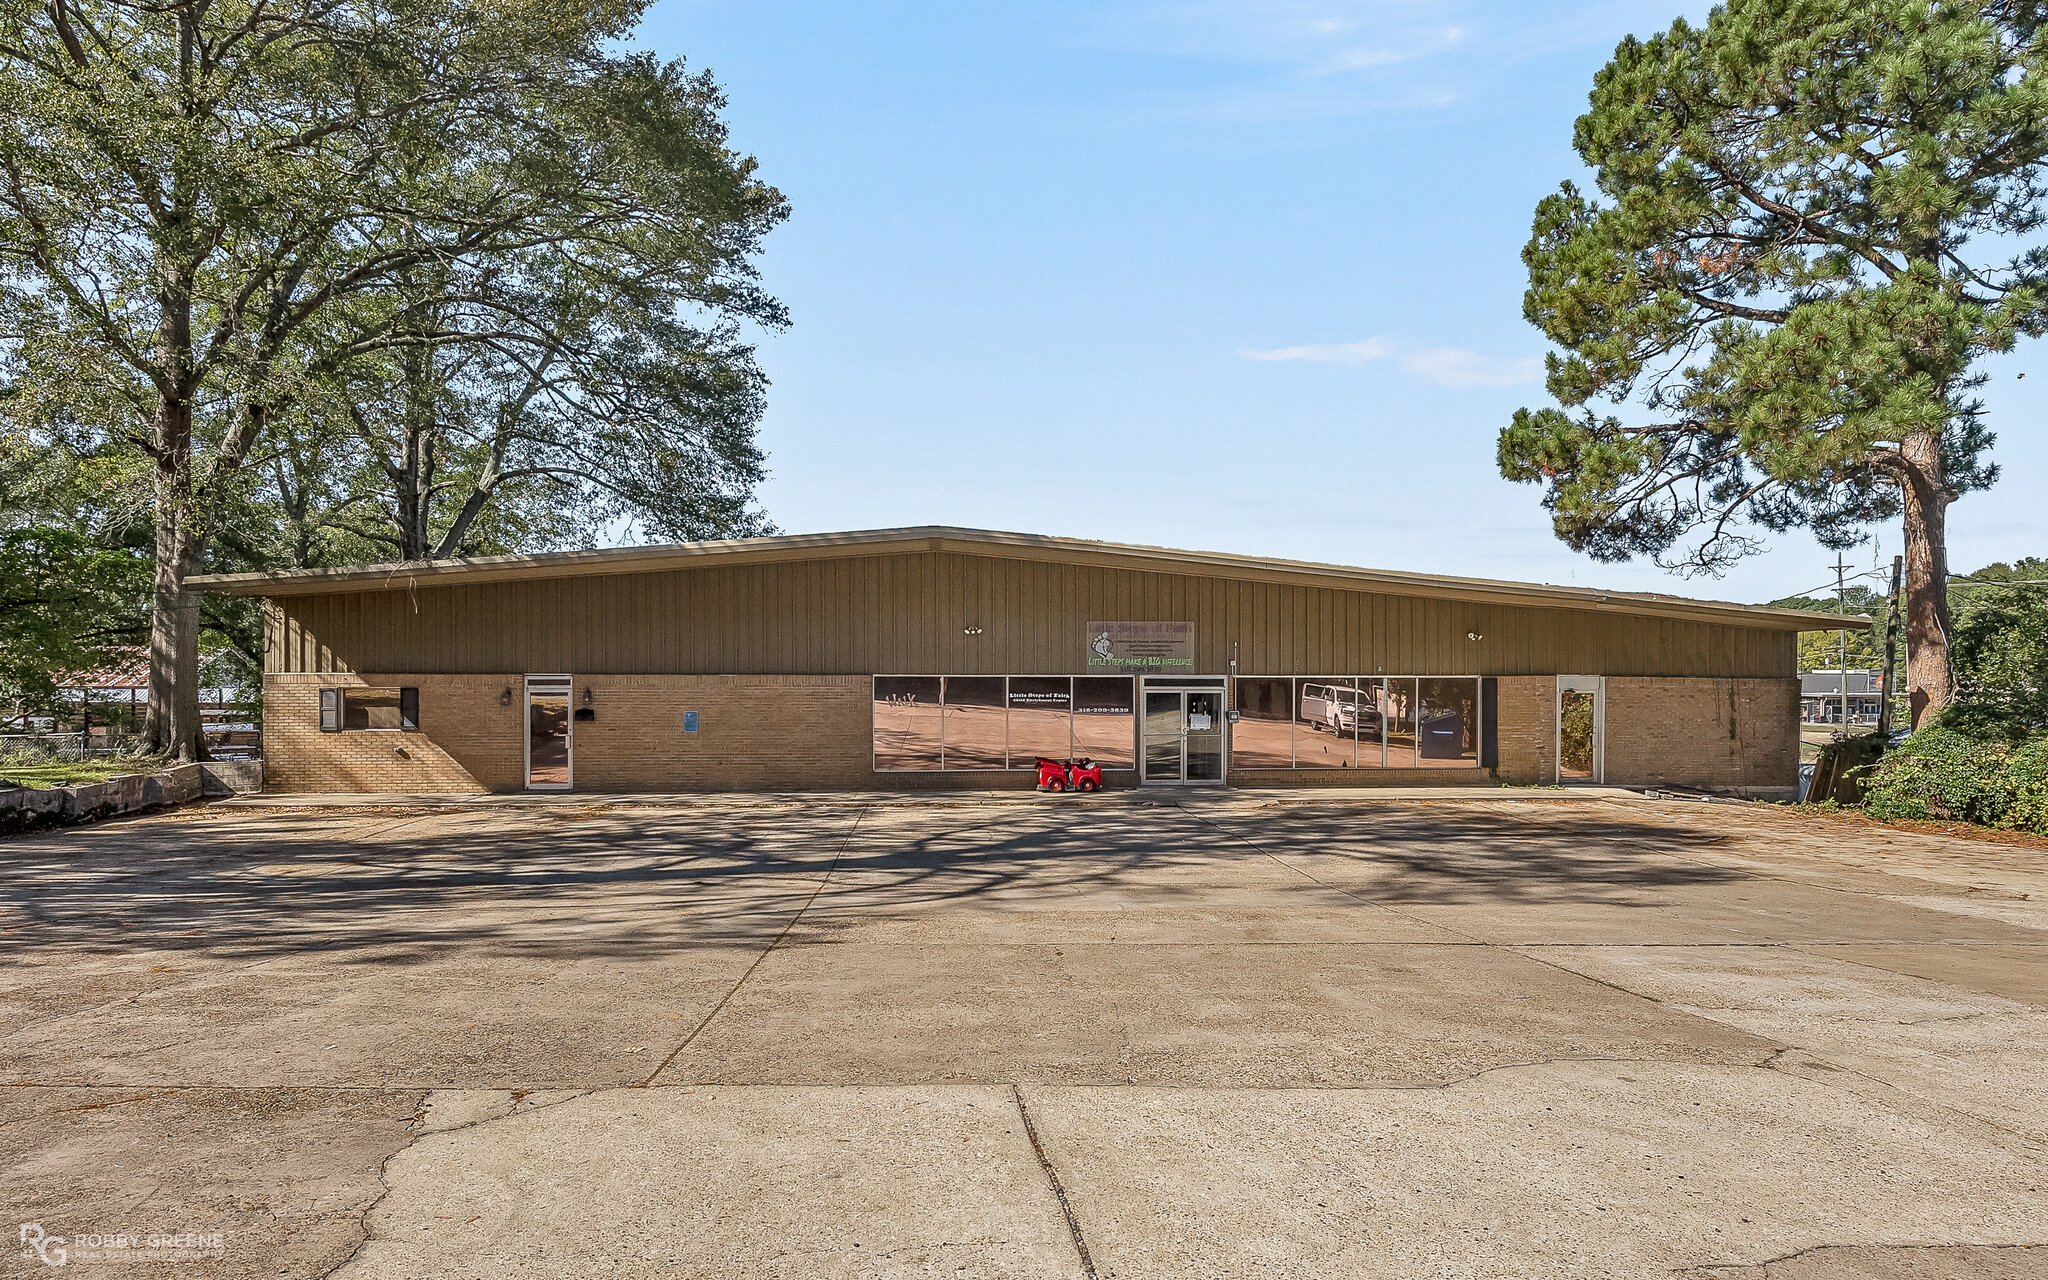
1774,267
225,221
2000,652
63,598
30,770
1822,650
1945,774
1575,734
2027,768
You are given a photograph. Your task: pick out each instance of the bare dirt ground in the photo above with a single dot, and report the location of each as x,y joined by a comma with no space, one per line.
850,1036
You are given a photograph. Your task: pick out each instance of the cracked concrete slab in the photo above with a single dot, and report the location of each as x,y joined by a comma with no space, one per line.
283,1175
1981,1054
740,1183
1251,1016
467,991
2018,973
368,1017
1622,1170
1906,1262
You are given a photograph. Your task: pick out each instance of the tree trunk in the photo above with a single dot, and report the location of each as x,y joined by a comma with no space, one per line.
1929,683
173,664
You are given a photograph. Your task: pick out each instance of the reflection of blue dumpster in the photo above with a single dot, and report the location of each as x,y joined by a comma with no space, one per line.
1443,737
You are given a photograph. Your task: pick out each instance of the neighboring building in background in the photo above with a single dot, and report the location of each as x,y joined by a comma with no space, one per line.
941,657
1820,696
110,702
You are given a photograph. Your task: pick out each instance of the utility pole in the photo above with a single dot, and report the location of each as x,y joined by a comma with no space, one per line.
1842,608
1891,652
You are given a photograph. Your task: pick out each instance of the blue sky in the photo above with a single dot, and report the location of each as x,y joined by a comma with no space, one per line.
1229,275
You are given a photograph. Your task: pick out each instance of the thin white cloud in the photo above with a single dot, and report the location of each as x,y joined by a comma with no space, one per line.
1456,367
1367,59
1443,366
1331,353
1296,59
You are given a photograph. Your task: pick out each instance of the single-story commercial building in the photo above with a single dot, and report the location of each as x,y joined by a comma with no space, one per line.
1820,695
942,657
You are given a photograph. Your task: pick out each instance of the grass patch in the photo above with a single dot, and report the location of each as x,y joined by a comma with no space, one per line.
65,773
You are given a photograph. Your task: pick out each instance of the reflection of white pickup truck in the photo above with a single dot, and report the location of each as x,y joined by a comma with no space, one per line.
1334,707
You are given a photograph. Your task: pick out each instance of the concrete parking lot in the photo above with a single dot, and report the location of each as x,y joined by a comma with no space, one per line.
1242,1035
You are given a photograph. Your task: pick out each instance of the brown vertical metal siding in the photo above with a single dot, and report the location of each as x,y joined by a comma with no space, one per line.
909,612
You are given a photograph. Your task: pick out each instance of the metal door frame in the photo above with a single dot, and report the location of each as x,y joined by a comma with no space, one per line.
1185,685
1597,686
548,686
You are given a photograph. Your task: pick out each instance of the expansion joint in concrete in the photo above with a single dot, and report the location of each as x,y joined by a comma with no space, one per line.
1052,1175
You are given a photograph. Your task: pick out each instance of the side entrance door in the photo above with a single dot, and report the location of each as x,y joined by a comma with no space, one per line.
1581,729
550,733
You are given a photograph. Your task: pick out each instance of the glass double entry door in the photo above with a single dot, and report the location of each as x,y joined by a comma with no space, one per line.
1183,730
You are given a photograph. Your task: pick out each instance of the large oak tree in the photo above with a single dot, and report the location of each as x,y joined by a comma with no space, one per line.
212,211
1813,219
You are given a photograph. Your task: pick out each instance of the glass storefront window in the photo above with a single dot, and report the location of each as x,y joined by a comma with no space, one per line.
1372,723
1448,736
1041,723
908,728
1263,737
1326,710
974,731
932,723
1398,699
1105,721
1365,722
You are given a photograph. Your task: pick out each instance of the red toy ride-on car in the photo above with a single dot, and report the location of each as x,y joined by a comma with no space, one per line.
1069,775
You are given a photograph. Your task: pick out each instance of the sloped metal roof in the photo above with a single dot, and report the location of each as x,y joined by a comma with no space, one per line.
986,542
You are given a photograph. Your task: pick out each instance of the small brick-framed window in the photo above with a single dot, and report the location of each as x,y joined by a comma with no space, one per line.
381,709
330,711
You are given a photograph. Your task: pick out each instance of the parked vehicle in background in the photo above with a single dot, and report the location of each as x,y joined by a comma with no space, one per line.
1334,708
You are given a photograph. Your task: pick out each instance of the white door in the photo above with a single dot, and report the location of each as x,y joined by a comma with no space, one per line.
550,733
1581,745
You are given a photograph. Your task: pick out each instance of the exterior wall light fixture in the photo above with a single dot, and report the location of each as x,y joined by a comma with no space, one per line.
970,631
586,695
505,698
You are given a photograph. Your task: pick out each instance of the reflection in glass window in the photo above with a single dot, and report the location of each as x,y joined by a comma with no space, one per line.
907,725
1263,737
1039,721
1105,721
1326,722
370,709
1449,730
1372,723
974,722
1399,700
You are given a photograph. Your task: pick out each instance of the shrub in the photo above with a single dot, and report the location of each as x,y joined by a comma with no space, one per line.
1937,773
2028,769
1942,773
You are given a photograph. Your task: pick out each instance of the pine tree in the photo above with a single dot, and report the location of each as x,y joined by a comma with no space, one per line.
1813,219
